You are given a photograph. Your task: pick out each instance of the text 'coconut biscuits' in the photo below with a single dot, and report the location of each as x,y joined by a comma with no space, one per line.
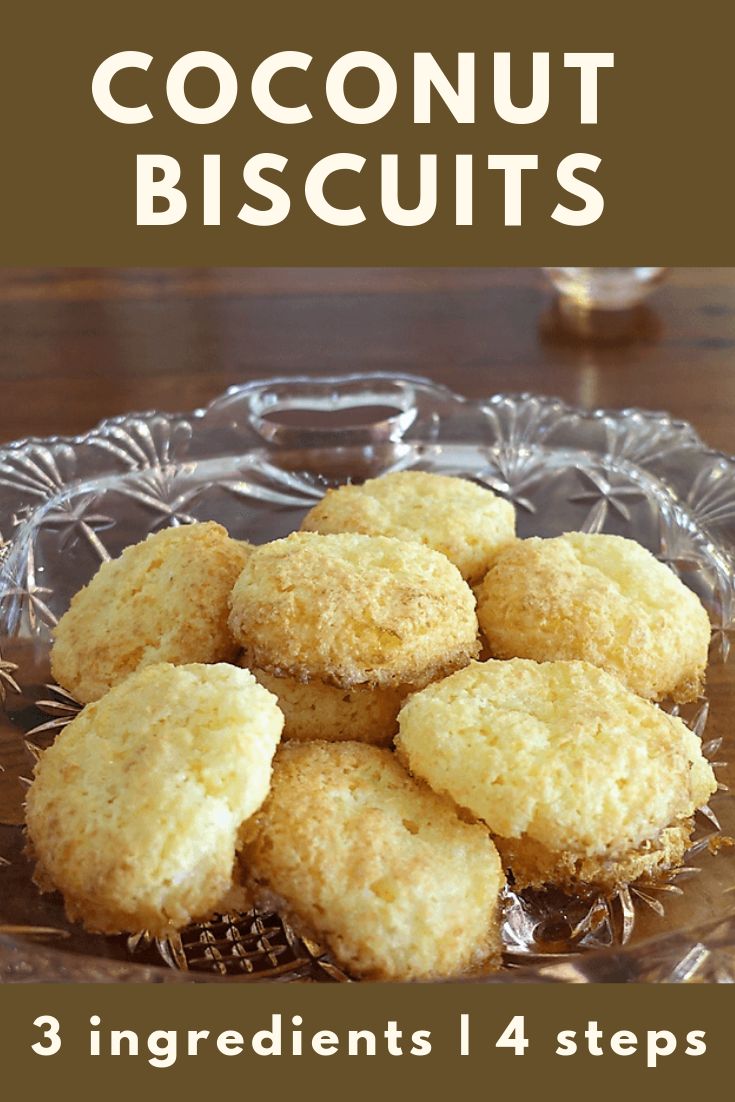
466,522
134,811
353,610
162,600
580,780
601,599
316,711
374,864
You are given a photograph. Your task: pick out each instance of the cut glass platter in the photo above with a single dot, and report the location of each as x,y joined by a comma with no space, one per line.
256,460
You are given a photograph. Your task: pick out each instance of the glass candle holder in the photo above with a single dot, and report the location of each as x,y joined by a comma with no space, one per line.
604,288
603,305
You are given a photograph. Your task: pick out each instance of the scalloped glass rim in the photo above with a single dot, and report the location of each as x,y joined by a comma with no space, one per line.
633,471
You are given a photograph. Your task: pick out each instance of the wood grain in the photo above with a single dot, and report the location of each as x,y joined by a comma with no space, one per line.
80,344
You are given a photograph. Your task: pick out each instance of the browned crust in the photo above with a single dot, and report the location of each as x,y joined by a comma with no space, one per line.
533,865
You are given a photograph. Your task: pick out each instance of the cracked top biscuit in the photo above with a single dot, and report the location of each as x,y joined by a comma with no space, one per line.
134,811
559,757
352,610
466,522
162,600
601,599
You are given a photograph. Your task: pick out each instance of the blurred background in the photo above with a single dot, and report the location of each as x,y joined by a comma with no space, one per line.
79,344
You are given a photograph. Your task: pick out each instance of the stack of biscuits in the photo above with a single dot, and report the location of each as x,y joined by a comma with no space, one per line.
304,726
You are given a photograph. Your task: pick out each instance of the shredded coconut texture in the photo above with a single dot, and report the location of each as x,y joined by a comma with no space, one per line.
374,864
466,522
134,810
316,711
162,600
601,599
351,610
564,764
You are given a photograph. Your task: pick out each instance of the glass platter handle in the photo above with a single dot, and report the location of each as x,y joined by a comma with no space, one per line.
335,411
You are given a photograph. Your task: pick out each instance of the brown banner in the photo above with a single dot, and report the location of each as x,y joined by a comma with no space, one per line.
423,1041
569,133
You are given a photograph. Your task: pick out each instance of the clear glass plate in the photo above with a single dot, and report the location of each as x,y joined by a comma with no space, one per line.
256,459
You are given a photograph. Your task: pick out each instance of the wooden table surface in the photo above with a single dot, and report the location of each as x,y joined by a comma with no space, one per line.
80,344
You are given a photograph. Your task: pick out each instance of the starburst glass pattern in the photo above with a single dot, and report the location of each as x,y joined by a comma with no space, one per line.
7,679
27,601
646,439
36,471
712,494
604,492
517,460
61,708
67,505
77,520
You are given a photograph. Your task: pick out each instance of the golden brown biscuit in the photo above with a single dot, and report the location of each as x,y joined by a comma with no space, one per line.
601,599
134,811
463,520
353,610
579,779
162,600
314,710
374,864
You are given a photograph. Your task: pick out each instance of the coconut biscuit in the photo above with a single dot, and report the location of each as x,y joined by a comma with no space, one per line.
316,711
580,780
374,864
162,600
134,811
466,522
353,610
601,599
